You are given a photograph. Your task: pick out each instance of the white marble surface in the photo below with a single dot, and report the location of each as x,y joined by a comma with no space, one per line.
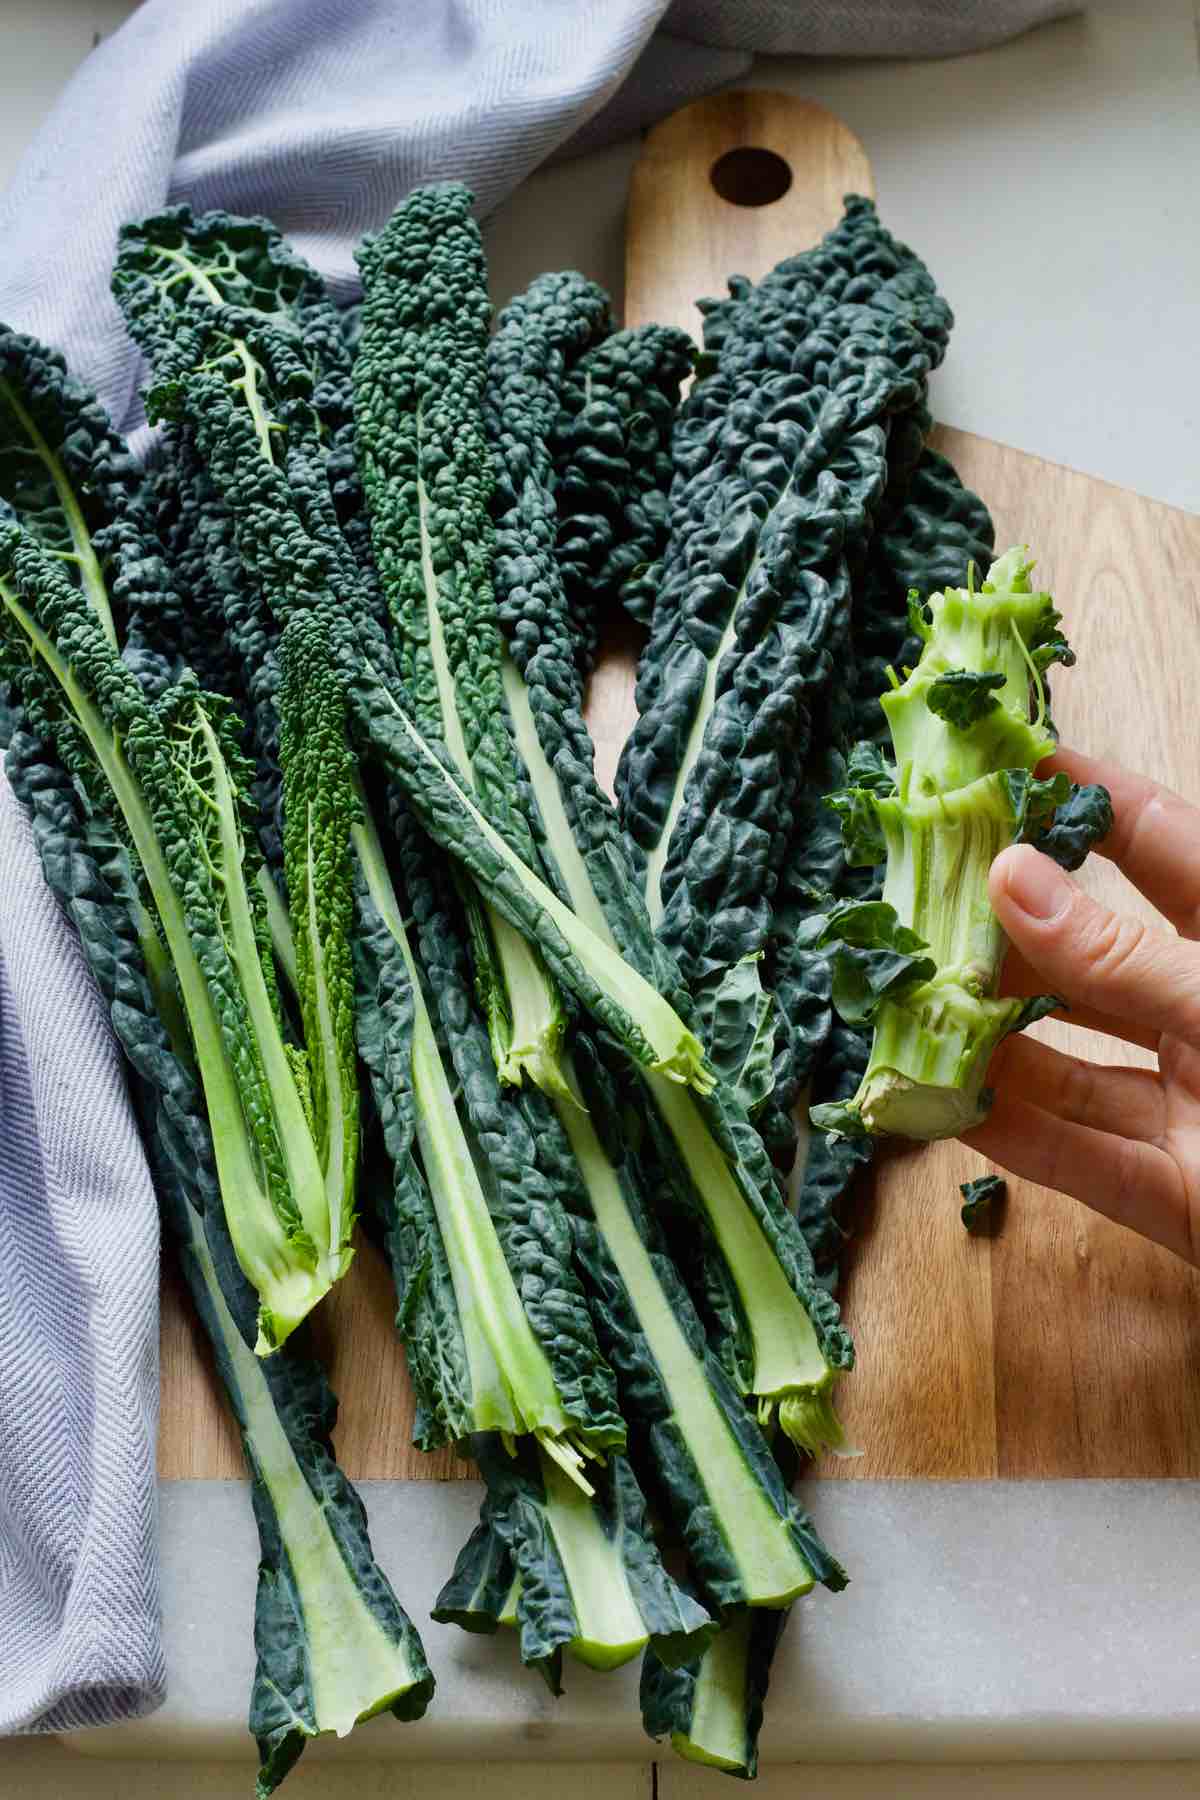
983,1620
1051,185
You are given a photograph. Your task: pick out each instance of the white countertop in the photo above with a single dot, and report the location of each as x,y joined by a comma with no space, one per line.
1050,185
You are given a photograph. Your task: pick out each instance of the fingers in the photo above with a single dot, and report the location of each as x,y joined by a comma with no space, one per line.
1021,980
1128,1102
1095,958
1155,839
1133,1183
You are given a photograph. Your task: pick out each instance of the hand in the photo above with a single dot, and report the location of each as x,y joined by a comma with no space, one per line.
1126,1141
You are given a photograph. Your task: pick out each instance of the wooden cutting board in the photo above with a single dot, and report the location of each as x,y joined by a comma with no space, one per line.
1065,1346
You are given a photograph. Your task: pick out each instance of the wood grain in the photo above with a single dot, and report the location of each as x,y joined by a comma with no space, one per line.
683,240
1065,1346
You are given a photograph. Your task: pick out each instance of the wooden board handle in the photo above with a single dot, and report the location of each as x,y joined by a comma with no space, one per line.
732,185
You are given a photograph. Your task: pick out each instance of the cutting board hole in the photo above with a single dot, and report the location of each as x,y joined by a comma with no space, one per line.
750,176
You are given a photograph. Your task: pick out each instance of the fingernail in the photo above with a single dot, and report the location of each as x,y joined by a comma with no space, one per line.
1037,885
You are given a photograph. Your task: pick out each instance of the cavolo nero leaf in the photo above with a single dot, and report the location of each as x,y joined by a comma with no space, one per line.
480,1593
983,1204
778,1337
612,456
418,385
781,461
171,772
742,1034
964,696
873,957
228,634
292,544
541,337
319,1587
1082,818
589,1578
711,1710
70,480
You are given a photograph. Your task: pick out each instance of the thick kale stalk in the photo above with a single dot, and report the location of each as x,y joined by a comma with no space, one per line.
922,965
418,382
711,1710
569,1573
778,1336
171,771
497,1330
705,1455
930,528
333,1643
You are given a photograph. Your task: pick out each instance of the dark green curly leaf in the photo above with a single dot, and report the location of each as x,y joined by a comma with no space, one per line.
983,1204
316,1559
712,1709
838,1118
1033,801
740,1031
1039,1006
1049,646
612,456
429,483
1081,820
964,696
862,833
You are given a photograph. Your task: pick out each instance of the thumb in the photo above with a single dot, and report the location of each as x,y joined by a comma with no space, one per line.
1091,956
